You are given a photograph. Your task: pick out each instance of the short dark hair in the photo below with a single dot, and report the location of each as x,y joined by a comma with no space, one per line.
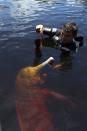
71,27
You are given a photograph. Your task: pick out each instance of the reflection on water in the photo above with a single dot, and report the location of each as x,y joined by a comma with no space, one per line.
18,19
23,8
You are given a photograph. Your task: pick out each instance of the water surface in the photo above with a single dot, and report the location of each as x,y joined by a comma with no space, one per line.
18,19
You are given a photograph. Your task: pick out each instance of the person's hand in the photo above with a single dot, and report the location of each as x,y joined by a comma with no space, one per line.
39,29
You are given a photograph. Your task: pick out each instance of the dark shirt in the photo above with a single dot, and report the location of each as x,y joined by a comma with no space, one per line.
55,33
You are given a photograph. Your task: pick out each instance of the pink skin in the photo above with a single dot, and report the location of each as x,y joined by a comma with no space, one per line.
31,106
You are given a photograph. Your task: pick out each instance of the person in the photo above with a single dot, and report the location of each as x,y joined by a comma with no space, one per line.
66,39
65,59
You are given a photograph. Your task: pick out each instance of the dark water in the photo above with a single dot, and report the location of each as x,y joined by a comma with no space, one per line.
18,19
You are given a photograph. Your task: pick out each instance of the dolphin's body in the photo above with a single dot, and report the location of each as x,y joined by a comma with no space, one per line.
32,111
